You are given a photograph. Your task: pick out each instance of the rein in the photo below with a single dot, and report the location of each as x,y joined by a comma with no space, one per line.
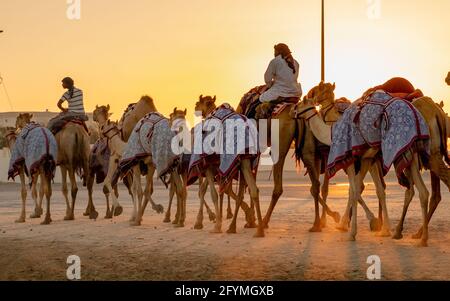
297,113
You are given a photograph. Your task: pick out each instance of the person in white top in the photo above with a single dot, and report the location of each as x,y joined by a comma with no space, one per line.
281,76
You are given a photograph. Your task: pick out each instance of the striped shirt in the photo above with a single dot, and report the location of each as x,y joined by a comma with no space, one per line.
75,102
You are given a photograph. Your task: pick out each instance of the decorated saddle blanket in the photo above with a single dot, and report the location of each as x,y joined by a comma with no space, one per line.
56,124
250,102
35,146
99,160
151,137
222,140
380,121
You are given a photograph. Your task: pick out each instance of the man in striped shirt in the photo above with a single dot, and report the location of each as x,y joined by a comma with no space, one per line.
74,110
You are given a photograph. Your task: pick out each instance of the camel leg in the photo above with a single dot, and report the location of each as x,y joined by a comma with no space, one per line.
38,209
277,190
203,186
137,197
93,214
239,198
324,194
249,215
107,192
409,195
229,211
171,195
23,194
315,191
423,195
47,183
355,184
181,199
116,208
65,190
254,194
149,191
434,201
381,194
74,192
215,198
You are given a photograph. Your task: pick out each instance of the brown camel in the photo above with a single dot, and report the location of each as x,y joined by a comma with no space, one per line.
322,131
290,130
435,118
175,117
133,114
101,115
73,159
206,105
45,172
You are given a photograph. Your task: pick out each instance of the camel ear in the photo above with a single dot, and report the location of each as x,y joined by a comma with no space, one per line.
175,110
201,97
214,98
108,107
334,86
96,107
185,111
441,104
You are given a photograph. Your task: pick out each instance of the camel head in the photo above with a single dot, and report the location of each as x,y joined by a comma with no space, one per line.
322,94
205,104
304,109
447,80
177,114
101,114
23,119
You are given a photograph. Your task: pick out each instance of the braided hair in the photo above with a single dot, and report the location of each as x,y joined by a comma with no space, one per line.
70,83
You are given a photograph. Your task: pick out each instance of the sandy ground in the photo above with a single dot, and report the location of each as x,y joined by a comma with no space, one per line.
112,250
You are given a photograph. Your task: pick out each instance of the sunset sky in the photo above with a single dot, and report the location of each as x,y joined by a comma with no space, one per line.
175,50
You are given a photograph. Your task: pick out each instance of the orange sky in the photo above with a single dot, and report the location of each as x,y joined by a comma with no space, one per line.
175,50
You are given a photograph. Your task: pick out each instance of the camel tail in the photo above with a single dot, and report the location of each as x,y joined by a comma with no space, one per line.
49,167
441,122
79,156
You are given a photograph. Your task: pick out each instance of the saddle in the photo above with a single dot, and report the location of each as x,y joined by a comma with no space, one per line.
58,125
274,108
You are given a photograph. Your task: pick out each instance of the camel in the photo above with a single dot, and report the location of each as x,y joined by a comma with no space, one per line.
11,137
73,158
435,119
175,117
322,132
290,130
206,105
133,114
44,171
101,115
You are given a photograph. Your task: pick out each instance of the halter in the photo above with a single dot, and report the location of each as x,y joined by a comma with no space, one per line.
297,113
105,133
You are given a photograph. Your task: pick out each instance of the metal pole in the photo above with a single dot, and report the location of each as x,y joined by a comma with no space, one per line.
323,42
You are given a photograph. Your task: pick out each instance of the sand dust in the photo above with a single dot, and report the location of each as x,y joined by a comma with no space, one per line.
112,250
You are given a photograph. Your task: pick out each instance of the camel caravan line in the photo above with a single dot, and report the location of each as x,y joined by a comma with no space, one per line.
391,125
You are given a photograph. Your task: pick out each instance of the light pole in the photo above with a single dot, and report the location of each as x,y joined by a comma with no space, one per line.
323,43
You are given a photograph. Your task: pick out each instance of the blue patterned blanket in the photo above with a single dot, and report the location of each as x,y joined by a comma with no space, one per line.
226,138
151,137
34,146
380,121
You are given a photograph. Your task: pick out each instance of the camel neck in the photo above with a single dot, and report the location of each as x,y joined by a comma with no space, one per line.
117,145
321,131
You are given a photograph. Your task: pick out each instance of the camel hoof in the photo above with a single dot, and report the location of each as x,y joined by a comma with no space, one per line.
315,229
386,233
259,233
250,225
86,213
20,220
175,222
34,215
118,210
167,220
108,215
423,244
135,223
229,215
397,236
375,225
212,217
179,225
231,230
93,214
418,235
46,221
342,228
198,226
158,208
216,231
336,217
69,217
352,238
